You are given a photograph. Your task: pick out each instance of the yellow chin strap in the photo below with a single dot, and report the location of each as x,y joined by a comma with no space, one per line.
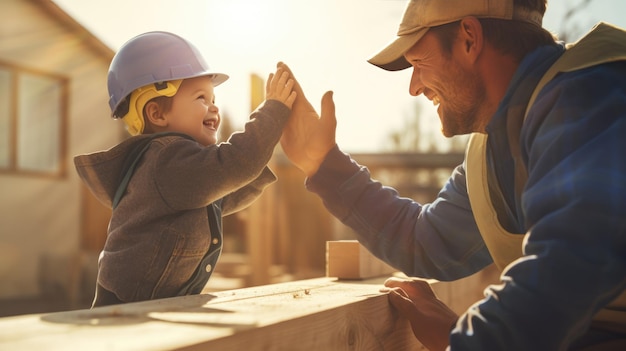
140,97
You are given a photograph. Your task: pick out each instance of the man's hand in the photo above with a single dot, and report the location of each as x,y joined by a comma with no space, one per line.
431,320
307,137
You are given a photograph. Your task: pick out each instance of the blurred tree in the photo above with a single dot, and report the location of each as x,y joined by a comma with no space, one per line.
418,134
572,26
409,137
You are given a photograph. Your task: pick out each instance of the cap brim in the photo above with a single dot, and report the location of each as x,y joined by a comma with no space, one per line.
391,58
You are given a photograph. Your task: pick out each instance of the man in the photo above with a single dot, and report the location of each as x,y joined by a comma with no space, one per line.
542,192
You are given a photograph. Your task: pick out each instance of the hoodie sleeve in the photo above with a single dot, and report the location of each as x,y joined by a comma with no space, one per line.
189,175
243,197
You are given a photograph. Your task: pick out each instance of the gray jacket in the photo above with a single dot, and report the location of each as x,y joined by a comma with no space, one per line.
159,232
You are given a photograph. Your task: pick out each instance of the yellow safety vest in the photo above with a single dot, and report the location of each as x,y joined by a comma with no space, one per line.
605,43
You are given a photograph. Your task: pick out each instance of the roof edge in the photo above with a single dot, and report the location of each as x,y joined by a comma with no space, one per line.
73,25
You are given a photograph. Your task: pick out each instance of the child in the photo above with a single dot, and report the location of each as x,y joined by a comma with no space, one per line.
170,183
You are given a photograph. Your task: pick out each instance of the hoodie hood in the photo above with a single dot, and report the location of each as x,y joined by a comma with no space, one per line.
102,172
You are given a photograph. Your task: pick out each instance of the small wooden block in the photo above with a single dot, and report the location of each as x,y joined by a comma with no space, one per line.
348,259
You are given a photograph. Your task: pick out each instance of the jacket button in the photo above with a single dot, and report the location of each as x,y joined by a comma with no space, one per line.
208,268
215,241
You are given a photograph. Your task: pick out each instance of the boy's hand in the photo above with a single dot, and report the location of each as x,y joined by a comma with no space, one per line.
307,137
279,87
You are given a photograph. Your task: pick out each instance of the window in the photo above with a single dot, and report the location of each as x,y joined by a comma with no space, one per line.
32,121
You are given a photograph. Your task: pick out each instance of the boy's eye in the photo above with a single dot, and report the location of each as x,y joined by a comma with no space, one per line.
204,99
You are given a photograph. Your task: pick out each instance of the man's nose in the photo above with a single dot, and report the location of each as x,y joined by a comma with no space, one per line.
415,86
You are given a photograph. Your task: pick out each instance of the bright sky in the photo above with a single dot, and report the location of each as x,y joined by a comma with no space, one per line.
325,42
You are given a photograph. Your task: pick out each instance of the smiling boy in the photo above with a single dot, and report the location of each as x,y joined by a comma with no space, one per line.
171,182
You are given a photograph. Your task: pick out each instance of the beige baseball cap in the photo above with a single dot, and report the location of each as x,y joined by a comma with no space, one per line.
423,14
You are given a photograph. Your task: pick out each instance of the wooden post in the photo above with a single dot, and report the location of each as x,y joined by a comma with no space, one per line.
260,222
348,259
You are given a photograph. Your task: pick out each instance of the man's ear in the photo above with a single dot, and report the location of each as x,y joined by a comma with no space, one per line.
154,114
471,35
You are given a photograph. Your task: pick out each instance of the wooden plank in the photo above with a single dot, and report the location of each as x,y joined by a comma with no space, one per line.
315,314
348,259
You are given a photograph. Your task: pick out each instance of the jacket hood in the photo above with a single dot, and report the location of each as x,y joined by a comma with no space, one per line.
103,171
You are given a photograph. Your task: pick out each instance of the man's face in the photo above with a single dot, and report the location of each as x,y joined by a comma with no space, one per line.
457,90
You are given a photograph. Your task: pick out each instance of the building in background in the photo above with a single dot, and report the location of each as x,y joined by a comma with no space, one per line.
53,105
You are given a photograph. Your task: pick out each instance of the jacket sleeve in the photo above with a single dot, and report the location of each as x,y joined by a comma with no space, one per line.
244,197
189,175
420,240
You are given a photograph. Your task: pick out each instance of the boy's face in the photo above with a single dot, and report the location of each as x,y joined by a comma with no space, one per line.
193,111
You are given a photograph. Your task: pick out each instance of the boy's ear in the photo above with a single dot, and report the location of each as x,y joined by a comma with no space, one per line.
154,114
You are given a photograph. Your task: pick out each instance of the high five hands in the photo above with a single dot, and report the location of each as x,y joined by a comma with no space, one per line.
308,136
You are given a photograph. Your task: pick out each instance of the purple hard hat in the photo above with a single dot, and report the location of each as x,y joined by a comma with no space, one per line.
153,57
